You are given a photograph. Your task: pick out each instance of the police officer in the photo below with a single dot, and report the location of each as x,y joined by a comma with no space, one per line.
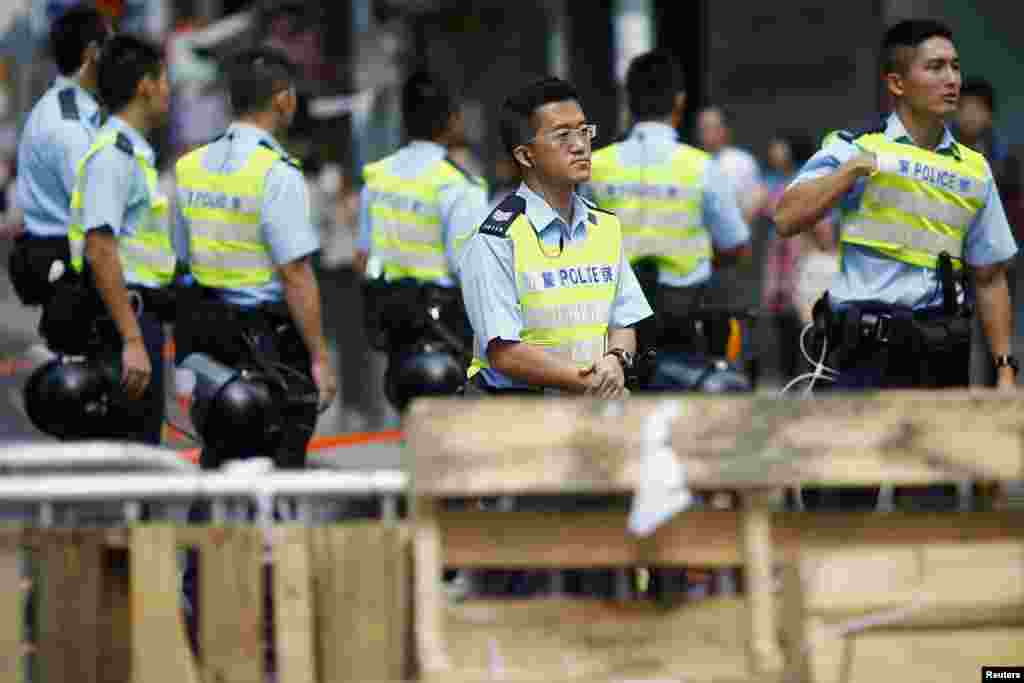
917,209
550,295
119,237
242,205
58,132
678,211
414,203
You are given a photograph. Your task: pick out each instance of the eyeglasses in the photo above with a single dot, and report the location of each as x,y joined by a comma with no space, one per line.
564,137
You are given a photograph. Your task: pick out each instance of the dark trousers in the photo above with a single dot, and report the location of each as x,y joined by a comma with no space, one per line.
279,343
144,419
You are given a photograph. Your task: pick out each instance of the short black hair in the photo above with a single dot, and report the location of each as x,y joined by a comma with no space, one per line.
72,33
427,105
124,62
516,128
652,83
906,36
982,89
255,76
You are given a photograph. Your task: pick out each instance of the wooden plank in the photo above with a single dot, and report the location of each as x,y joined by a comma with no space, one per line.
514,445
361,571
160,651
756,531
840,581
231,604
428,598
115,633
592,640
699,538
72,570
12,601
293,605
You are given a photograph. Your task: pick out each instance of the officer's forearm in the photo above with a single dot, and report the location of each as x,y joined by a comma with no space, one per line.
302,295
534,366
622,338
105,264
803,205
994,306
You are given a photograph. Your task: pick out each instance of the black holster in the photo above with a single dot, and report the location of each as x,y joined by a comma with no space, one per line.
30,263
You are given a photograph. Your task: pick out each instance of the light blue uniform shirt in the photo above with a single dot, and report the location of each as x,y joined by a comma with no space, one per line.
114,190
284,219
490,290
867,275
651,143
53,141
462,203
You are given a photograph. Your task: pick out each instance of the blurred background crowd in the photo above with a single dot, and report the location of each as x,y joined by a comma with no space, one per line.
764,85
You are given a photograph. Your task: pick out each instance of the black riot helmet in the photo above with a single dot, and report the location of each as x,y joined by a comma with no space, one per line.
236,412
428,371
73,399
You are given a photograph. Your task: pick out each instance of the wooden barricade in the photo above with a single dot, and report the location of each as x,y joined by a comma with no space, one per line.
110,604
846,575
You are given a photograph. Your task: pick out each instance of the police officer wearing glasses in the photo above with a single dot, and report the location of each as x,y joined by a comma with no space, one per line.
918,212
550,295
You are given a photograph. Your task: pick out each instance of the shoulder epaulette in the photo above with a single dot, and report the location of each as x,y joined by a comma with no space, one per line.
851,135
469,176
595,207
68,105
124,144
291,161
504,214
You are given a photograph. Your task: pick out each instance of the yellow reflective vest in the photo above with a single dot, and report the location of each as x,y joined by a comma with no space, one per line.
224,211
660,206
407,238
565,298
919,203
147,256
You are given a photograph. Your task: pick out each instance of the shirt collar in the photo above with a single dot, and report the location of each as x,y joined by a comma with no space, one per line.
138,140
541,215
88,104
897,132
247,131
655,130
429,146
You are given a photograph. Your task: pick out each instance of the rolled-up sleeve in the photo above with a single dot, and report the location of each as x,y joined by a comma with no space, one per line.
463,208
107,182
989,239
826,160
489,289
630,305
287,228
722,214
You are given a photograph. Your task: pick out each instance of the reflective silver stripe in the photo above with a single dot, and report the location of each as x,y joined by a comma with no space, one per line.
964,185
206,199
919,205
421,260
579,351
644,245
232,260
655,219
134,253
408,232
917,239
225,232
566,315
